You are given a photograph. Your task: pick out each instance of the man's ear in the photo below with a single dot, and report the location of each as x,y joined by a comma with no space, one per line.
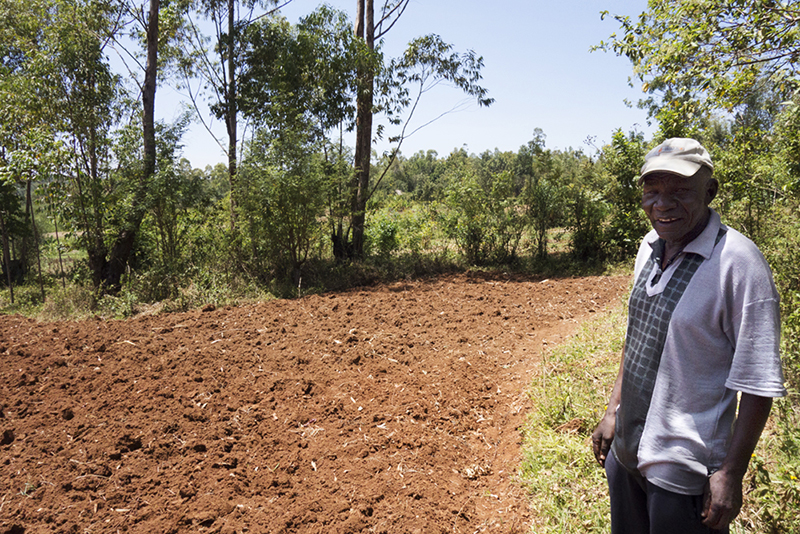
712,186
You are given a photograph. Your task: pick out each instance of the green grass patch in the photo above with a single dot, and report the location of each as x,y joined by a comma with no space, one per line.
567,487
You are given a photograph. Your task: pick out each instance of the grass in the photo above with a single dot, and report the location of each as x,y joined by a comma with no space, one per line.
567,487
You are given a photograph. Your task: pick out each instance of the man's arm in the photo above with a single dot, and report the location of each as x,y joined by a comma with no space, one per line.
603,435
723,495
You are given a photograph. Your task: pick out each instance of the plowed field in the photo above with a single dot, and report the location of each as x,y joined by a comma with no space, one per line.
389,409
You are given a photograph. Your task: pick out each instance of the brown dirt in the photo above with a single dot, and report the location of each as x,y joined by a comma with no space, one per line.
390,409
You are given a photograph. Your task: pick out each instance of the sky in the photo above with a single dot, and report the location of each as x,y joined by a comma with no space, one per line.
537,66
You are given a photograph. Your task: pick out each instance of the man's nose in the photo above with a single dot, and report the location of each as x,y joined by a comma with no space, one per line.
664,201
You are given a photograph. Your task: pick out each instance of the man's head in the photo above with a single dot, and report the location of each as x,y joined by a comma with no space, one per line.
677,187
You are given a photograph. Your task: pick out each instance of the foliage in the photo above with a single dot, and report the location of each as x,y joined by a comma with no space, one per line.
695,56
284,195
57,92
787,128
466,218
622,160
419,175
776,483
382,235
12,223
428,61
588,211
782,250
301,74
417,229
543,191
174,191
486,222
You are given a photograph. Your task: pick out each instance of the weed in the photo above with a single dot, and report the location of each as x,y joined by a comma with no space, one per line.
28,489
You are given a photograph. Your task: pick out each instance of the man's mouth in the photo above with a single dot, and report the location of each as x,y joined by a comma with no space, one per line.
666,220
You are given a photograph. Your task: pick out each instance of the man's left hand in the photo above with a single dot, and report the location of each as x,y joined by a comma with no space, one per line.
722,500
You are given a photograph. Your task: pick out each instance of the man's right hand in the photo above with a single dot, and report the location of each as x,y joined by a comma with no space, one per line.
602,437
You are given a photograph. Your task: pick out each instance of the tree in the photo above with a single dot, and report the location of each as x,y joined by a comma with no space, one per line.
699,55
219,69
745,162
63,60
299,79
284,193
420,175
426,62
173,191
12,222
365,32
57,85
623,160
543,193
299,76
482,213
123,243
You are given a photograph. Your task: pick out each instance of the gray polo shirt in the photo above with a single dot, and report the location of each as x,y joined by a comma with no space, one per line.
720,335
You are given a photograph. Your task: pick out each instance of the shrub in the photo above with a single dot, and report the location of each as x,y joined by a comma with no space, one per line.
588,215
486,225
382,234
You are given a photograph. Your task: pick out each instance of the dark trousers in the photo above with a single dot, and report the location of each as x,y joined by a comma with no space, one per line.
639,507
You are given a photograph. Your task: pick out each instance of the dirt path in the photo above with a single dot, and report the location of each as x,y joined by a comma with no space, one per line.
391,409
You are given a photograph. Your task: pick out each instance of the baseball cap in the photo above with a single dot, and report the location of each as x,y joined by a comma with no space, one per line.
679,155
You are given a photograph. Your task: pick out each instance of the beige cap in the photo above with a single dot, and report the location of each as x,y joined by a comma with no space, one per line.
678,155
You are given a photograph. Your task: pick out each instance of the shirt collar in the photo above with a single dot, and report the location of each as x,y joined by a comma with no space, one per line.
702,244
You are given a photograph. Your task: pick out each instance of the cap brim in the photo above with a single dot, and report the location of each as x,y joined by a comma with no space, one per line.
671,166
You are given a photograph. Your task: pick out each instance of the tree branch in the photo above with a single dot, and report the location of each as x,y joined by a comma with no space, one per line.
380,33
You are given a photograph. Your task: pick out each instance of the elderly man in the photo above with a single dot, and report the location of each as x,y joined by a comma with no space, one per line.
703,324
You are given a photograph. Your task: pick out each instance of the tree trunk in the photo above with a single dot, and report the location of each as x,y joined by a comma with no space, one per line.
58,248
25,245
7,257
35,239
121,250
231,110
364,29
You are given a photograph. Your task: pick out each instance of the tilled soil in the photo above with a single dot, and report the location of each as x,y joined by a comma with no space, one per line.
390,409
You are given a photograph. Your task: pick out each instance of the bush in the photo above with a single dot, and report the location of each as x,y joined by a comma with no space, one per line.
588,215
75,301
382,234
486,225
284,190
623,160
775,470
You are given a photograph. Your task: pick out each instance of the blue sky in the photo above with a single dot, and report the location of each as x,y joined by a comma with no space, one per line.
537,67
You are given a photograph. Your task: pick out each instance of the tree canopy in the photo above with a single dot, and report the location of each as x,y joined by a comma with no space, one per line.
695,55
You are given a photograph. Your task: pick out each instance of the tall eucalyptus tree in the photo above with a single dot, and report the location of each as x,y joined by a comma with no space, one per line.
217,62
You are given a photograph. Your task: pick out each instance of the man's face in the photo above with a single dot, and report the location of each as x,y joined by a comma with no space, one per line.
677,206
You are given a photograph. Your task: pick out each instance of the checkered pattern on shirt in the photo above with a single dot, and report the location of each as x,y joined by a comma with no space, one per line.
648,323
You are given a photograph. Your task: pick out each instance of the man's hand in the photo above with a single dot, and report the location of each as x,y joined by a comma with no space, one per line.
722,500
602,437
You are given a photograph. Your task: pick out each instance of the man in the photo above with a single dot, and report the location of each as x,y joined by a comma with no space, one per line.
703,324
